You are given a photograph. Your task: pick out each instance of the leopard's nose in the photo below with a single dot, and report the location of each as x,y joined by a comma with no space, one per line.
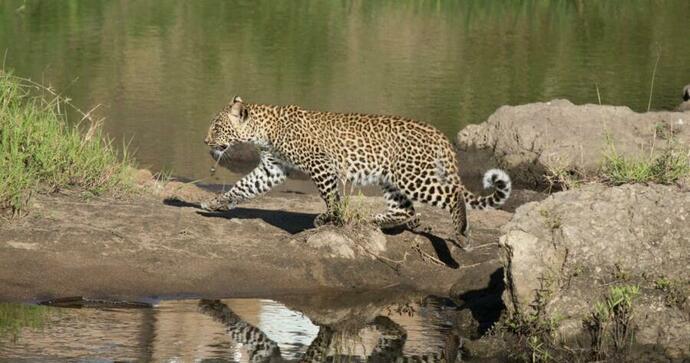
207,140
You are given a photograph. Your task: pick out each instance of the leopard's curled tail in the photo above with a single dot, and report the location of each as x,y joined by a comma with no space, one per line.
493,178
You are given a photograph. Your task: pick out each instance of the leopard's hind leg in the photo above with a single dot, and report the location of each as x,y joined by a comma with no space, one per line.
400,210
458,213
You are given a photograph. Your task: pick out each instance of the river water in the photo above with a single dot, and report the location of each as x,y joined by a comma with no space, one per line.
230,330
161,69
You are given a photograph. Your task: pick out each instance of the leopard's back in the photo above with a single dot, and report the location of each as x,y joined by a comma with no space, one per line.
367,149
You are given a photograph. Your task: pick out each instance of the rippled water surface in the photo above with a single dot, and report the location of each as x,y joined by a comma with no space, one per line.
230,330
161,69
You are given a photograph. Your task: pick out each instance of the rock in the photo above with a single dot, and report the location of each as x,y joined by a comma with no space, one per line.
562,255
530,140
350,242
183,191
142,176
466,325
487,348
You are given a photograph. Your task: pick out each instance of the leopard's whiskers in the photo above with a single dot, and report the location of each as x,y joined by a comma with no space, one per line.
213,168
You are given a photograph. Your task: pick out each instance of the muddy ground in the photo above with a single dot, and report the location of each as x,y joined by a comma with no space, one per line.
160,244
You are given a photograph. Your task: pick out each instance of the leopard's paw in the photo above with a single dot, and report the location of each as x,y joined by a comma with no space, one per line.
415,225
323,219
217,204
462,241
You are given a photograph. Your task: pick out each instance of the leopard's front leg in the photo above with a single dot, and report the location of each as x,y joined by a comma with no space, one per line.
324,173
269,173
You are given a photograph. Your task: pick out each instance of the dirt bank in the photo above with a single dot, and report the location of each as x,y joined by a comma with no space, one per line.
151,244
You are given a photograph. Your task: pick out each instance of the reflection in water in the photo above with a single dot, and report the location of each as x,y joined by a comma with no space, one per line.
258,346
241,330
15,317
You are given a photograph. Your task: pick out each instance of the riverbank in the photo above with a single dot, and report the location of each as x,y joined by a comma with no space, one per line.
162,244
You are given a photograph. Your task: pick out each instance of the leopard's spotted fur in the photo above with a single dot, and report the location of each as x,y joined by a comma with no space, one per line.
409,160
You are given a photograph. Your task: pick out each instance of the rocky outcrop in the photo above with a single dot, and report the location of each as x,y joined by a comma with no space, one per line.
531,140
564,254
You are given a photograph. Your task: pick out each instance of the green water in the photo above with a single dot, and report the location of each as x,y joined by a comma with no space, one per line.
161,69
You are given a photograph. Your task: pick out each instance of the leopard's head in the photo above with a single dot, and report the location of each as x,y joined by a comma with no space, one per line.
233,125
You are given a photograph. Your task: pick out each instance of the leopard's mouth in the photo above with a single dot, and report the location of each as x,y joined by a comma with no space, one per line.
218,151
220,148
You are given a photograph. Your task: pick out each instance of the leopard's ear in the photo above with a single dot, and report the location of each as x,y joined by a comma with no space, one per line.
686,93
238,109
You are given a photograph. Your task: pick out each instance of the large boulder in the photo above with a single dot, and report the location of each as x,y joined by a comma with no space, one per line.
533,139
564,254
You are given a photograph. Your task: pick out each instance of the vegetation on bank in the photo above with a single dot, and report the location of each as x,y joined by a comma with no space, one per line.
667,165
610,326
14,317
661,167
40,151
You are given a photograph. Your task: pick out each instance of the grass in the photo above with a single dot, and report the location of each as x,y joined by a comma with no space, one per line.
675,292
349,209
610,324
534,337
664,167
14,317
534,329
551,221
40,151
563,178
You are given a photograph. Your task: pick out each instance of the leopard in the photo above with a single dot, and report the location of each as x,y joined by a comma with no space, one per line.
411,161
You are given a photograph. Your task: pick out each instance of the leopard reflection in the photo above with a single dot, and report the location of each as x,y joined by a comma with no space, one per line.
261,349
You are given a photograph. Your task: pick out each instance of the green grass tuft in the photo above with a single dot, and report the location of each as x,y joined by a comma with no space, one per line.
41,151
15,317
664,167
675,291
611,323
